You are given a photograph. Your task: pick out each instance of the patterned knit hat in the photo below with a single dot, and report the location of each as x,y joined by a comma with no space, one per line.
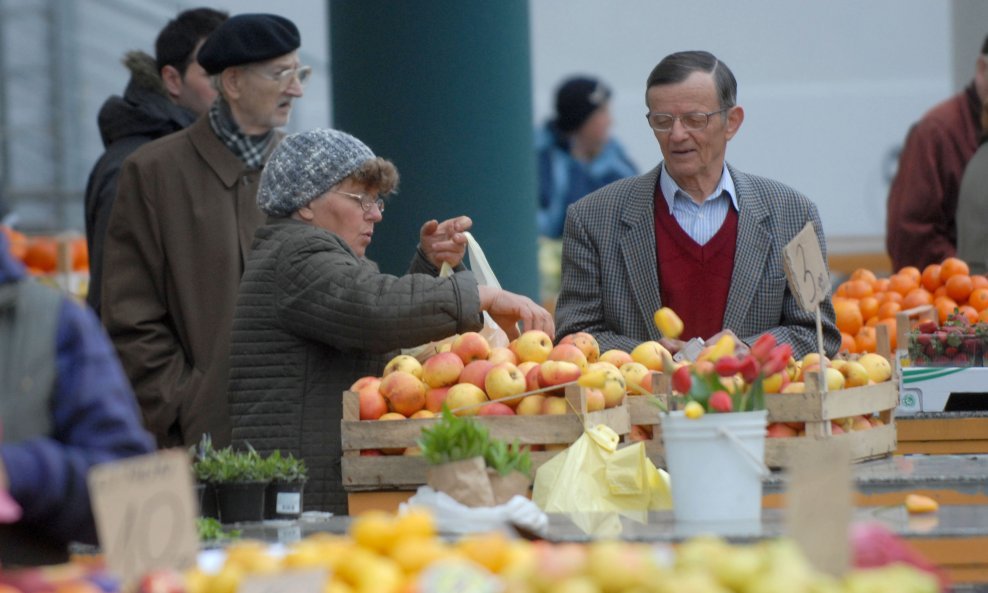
305,165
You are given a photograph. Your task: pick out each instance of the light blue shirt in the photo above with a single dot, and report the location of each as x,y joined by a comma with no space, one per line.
700,221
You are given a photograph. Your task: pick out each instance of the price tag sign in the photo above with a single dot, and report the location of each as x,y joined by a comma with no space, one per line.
298,581
808,277
145,513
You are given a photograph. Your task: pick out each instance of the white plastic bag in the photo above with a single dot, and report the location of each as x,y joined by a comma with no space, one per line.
485,276
452,517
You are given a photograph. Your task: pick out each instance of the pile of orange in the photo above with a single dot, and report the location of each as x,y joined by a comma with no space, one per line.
865,301
40,253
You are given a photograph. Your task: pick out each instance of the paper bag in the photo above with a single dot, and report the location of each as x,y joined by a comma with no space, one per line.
593,476
465,481
507,487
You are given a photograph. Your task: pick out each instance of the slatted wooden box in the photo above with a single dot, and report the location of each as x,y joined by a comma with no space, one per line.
407,472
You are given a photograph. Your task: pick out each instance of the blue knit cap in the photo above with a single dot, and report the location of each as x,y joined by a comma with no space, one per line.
305,165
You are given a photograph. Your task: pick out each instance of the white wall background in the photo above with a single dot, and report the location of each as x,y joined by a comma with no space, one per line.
829,88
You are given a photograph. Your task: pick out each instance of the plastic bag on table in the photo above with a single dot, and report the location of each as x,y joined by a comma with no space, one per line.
593,476
485,276
453,517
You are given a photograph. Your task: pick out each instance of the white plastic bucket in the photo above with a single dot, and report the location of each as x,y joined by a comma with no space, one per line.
716,465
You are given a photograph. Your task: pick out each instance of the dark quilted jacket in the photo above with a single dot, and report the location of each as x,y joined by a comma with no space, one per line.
312,318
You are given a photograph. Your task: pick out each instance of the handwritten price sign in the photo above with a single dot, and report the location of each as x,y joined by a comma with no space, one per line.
808,277
145,513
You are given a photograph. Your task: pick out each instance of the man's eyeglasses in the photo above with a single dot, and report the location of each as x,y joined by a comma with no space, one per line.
663,122
366,202
286,76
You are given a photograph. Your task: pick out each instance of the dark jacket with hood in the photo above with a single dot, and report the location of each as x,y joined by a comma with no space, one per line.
143,114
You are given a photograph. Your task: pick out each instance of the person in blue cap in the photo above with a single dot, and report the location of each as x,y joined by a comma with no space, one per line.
181,228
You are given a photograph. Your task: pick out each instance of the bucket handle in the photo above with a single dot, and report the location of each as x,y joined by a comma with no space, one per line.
760,468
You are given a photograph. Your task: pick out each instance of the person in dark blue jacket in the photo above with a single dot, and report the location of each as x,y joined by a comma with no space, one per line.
576,156
65,406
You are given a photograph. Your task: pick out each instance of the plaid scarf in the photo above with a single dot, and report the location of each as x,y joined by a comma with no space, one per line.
249,149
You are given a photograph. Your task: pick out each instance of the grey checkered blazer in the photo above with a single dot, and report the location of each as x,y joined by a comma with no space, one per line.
610,284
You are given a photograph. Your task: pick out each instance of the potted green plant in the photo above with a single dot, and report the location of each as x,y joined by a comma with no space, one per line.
240,479
283,499
460,453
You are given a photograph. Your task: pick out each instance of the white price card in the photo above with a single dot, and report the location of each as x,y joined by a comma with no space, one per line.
808,277
145,513
296,581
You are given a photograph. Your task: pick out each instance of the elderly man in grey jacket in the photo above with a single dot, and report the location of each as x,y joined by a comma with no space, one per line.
693,234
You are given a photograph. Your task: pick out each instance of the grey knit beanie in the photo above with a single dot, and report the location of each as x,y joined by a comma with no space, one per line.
305,165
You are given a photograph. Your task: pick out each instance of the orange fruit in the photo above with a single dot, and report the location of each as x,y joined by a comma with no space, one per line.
888,310
979,280
858,289
983,316
941,291
978,299
868,306
866,340
864,274
902,284
889,296
881,285
944,306
917,297
930,278
872,321
80,254
970,312
911,271
953,266
959,287
847,343
849,318
42,254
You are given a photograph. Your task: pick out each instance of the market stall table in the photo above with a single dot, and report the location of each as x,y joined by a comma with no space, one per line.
936,433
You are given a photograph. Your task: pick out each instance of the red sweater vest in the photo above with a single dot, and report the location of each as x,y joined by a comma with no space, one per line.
694,279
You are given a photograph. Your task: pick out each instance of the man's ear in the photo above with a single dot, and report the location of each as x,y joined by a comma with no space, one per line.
735,117
172,79
231,81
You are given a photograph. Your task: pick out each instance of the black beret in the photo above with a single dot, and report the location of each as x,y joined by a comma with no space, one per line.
577,99
247,38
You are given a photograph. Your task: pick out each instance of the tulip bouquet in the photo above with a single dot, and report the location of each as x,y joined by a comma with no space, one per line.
729,382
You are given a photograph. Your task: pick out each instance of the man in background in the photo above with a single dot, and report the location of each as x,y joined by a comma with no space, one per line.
921,224
165,94
576,155
181,229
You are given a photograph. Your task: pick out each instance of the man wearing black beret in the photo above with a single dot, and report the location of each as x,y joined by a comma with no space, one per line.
181,229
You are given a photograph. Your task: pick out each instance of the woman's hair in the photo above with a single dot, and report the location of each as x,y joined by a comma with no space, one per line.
377,174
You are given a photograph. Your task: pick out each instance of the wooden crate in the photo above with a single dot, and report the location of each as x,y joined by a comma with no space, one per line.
406,472
813,408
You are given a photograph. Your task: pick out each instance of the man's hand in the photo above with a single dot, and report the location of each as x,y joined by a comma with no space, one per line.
445,241
508,308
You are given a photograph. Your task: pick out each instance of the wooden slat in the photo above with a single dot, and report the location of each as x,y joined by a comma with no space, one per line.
942,429
865,444
966,447
816,406
642,411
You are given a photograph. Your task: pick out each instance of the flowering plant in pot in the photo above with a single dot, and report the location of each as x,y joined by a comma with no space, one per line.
714,429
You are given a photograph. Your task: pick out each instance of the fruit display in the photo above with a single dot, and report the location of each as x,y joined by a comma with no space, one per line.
864,300
955,343
384,553
61,261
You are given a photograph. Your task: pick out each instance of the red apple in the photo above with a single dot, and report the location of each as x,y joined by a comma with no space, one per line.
533,345
586,343
569,353
530,405
558,372
471,346
465,394
501,354
434,398
442,370
504,380
404,391
476,372
555,405
616,357
495,409
373,405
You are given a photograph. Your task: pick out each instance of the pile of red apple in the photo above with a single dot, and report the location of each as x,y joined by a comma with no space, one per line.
527,377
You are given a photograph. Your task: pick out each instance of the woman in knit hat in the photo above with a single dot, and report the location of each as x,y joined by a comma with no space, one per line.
313,314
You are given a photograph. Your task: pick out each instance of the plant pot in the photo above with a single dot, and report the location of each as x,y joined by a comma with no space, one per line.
464,481
283,500
206,495
507,487
240,502
716,465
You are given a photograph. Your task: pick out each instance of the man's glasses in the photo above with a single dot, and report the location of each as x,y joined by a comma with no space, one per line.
285,77
366,202
663,122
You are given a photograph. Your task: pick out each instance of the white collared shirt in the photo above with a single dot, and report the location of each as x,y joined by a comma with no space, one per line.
700,221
